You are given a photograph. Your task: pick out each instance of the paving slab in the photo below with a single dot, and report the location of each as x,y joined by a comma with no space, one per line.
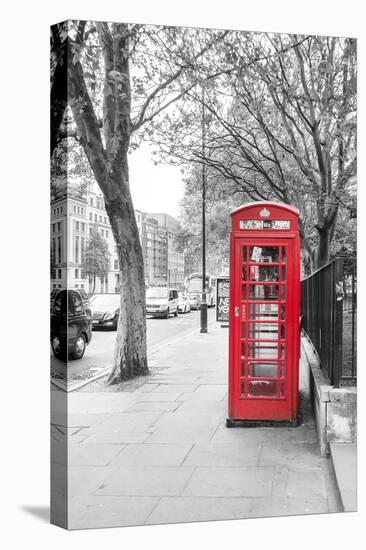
299,455
171,387
116,438
159,396
162,406
102,511
146,481
307,483
85,480
129,421
344,459
192,509
153,454
93,454
230,482
223,454
264,507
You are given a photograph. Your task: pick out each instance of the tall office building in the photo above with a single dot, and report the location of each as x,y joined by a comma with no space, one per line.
74,219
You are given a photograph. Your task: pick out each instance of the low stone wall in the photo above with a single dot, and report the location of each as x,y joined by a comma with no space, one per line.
335,410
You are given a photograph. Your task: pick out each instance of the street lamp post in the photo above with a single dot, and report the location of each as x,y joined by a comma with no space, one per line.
204,300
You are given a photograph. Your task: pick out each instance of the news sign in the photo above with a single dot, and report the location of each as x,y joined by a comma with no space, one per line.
222,300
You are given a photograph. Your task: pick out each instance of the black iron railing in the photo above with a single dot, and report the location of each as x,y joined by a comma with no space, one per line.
329,311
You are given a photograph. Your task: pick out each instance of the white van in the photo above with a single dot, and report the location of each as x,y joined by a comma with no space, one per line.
161,301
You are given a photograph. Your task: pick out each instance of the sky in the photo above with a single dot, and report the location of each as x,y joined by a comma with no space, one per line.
154,188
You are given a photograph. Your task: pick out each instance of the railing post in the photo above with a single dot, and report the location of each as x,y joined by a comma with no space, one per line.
338,321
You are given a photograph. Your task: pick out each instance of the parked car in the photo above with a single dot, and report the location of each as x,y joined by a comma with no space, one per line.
161,301
105,310
195,301
82,293
70,325
184,305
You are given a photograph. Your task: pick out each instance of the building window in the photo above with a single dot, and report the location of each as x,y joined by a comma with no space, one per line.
77,226
105,219
74,208
90,216
59,247
90,230
76,286
76,273
78,209
53,227
54,286
59,226
59,273
59,286
77,250
101,219
95,218
54,250
107,233
116,264
102,232
81,286
91,201
60,208
82,248
83,227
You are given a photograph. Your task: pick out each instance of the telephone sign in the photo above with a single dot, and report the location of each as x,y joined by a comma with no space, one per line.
264,303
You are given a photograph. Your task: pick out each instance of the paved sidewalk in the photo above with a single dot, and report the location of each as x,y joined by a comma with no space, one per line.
163,454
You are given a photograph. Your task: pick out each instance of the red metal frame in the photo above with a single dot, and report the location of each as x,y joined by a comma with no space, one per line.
264,387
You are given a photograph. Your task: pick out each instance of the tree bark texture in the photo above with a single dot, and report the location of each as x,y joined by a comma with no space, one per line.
107,156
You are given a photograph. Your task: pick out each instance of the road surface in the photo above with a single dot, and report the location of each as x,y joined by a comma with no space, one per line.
99,354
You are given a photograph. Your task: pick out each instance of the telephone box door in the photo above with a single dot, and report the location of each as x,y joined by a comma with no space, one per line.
264,337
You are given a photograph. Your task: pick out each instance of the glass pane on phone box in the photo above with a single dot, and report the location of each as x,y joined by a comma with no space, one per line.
263,292
244,292
244,253
262,370
282,369
244,273
283,312
283,273
283,257
262,350
265,254
263,331
242,368
243,349
242,389
263,311
268,273
262,388
283,292
243,330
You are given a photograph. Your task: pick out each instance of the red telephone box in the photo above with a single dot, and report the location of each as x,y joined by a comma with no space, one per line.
264,315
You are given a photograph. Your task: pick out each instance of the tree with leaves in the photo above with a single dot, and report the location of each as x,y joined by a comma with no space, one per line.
121,77
96,258
280,125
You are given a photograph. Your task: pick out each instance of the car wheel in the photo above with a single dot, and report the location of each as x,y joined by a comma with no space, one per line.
167,314
80,347
57,347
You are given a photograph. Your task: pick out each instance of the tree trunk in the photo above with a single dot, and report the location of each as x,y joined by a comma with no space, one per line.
322,251
130,358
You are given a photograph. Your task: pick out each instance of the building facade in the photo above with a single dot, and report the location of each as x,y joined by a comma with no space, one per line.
74,219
